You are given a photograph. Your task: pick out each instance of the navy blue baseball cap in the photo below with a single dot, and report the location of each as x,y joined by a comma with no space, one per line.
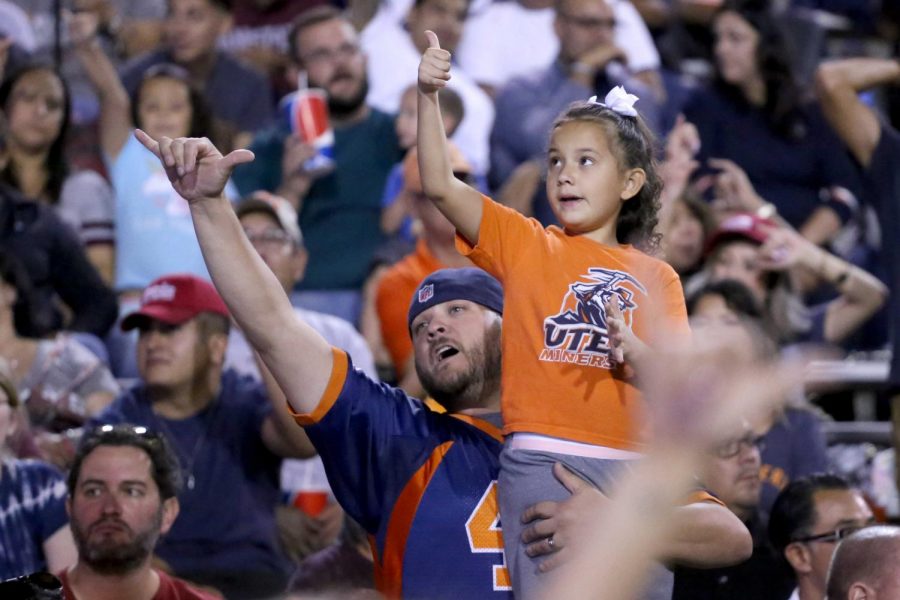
467,283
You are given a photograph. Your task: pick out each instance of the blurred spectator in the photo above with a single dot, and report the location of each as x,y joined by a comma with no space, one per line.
123,489
731,473
876,147
35,100
342,567
35,534
765,257
793,440
810,517
492,51
238,96
270,224
61,382
589,64
153,231
259,36
394,50
756,115
865,565
685,221
396,218
229,438
56,263
435,249
126,28
685,224
344,204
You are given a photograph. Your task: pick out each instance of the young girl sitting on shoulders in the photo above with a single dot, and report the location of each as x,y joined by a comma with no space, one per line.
584,304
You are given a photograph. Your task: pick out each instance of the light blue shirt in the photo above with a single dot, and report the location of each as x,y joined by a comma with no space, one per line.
154,232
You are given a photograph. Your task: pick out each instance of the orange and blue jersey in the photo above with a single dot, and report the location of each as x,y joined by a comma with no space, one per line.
423,484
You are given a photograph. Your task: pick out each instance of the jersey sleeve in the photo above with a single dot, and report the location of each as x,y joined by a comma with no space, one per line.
372,438
503,238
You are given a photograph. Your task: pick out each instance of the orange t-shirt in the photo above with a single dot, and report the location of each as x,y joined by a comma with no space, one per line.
395,292
557,377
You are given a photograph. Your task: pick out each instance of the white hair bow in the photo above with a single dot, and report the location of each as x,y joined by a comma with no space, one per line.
618,101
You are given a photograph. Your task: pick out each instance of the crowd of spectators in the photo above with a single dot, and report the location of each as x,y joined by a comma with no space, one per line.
778,212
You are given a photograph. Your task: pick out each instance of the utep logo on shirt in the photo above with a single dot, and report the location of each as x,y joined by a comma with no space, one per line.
578,333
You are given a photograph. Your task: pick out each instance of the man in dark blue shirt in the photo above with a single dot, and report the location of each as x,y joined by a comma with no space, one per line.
345,203
229,438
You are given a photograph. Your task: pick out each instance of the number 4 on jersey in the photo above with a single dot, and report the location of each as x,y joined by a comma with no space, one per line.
485,534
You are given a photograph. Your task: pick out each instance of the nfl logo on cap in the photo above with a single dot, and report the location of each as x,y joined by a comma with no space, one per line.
426,293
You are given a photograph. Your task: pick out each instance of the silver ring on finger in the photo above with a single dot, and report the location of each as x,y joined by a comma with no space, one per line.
551,542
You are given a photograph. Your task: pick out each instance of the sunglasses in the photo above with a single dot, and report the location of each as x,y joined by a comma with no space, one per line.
106,432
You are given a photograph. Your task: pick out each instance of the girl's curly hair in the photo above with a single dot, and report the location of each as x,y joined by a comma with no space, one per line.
634,146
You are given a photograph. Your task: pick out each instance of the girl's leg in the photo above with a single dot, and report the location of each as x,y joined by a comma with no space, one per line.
526,478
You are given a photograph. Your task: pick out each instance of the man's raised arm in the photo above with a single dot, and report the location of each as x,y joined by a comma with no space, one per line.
298,357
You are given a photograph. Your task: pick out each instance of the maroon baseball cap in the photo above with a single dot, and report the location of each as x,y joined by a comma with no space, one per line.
741,226
174,299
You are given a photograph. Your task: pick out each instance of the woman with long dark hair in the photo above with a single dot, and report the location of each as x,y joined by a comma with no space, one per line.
35,100
756,115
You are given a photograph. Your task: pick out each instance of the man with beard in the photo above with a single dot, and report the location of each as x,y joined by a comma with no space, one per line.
345,203
229,435
421,483
122,498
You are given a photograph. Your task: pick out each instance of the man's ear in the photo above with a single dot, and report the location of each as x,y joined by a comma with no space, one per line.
634,181
797,555
217,344
170,510
860,591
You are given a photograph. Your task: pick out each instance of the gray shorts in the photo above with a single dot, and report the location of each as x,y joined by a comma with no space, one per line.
526,478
